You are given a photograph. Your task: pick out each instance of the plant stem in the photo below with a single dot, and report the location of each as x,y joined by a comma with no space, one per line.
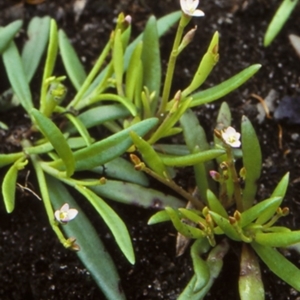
46,198
172,62
91,75
170,183
235,179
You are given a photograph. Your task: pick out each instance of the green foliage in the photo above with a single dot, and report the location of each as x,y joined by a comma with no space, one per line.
282,14
138,112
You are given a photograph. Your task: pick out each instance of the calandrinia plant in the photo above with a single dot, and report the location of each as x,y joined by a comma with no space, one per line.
122,92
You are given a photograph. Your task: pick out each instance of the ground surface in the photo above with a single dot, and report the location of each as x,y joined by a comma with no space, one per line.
34,265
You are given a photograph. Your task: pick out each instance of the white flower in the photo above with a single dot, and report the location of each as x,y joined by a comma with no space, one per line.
65,214
231,137
189,7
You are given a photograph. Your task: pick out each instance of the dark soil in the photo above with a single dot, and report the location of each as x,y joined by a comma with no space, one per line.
34,265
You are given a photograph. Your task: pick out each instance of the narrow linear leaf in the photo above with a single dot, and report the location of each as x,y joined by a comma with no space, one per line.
215,205
224,88
160,216
105,150
117,60
132,73
196,141
113,221
279,191
99,115
150,157
8,32
38,35
255,211
278,239
185,229
92,251
151,60
192,215
279,265
224,224
215,263
250,281
252,160
279,19
134,194
50,61
7,159
17,77
56,138
190,160
199,247
121,169
9,184
73,65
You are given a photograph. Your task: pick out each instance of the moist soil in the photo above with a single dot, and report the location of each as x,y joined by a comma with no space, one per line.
34,265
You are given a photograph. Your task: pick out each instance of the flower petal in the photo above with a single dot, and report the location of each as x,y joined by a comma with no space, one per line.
57,215
72,213
65,207
198,13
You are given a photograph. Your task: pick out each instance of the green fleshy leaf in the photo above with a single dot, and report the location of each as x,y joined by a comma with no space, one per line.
174,149
17,77
278,239
9,184
206,65
279,191
192,215
224,224
50,62
73,65
215,205
250,283
279,19
279,265
160,216
120,168
200,266
92,251
195,138
190,160
185,229
255,211
133,74
117,60
151,60
56,138
215,263
252,160
8,32
34,48
134,194
224,88
7,159
105,150
150,157
99,115
113,221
